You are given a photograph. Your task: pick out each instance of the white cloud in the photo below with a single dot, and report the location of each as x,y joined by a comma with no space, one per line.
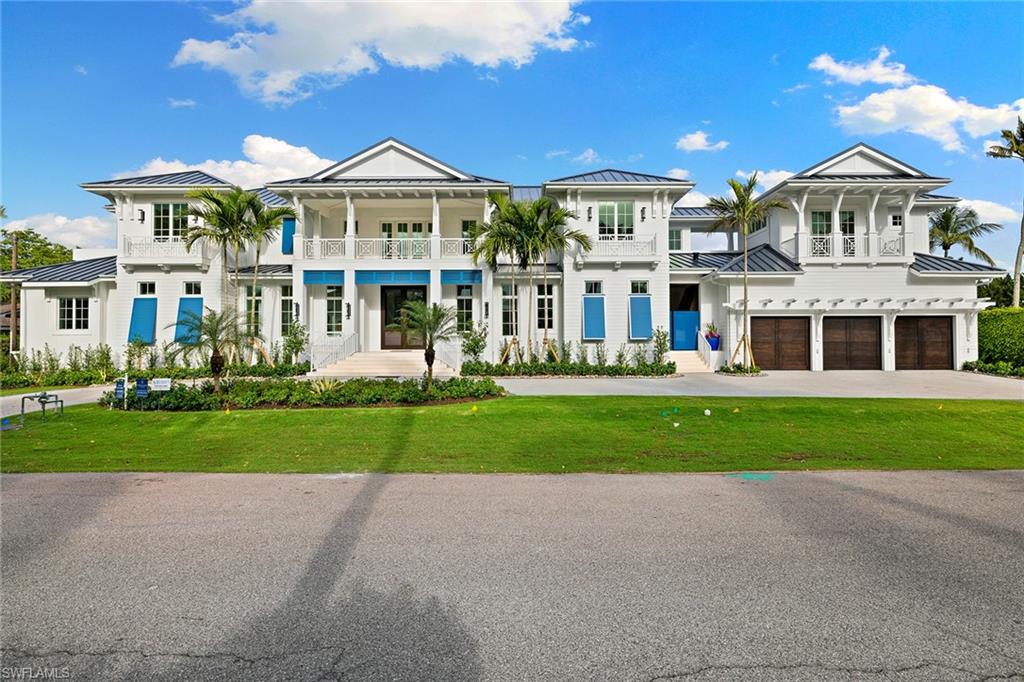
929,111
878,70
796,88
766,179
987,144
266,159
284,52
84,232
991,212
678,173
181,103
693,198
79,69
555,153
588,157
698,142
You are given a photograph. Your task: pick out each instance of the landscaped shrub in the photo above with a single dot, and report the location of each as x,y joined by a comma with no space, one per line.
538,369
738,368
1003,368
269,393
1001,335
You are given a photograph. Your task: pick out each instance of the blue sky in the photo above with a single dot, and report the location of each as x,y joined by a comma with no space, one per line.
521,93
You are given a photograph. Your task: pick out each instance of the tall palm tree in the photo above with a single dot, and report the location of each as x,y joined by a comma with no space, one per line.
1013,148
214,332
954,226
435,323
223,218
497,238
740,212
262,227
554,235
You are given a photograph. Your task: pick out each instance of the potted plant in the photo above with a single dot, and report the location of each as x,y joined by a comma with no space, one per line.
712,335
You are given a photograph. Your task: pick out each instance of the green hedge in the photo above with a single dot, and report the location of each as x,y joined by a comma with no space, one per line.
275,393
1001,335
1004,369
85,377
577,369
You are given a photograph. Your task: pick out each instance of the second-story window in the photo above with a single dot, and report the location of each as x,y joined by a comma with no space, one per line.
170,221
846,222
675,239
821,222
896,220
615,220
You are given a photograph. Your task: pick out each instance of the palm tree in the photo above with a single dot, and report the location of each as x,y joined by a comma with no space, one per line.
216,333
3,212
553,234
435,324
501,236
1013,148
262,226
224,217
954,226
740,212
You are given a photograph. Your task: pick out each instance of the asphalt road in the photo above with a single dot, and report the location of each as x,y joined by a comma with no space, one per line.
826,576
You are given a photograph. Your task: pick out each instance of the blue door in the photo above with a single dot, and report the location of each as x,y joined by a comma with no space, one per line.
685,324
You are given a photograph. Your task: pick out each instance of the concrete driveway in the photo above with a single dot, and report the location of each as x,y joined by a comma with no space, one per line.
828,576
836,384
10,406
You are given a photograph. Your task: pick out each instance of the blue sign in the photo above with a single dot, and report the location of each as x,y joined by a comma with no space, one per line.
142,388
119,389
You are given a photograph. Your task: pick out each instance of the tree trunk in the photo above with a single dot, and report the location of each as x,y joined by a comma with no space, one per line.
529,322
1017,266
216,367
544,352
224,268
428,356
746,303
945,252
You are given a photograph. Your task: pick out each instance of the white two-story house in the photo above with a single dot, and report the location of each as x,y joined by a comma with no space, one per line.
841,278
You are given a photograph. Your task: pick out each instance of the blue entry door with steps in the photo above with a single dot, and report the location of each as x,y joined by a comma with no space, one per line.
685,324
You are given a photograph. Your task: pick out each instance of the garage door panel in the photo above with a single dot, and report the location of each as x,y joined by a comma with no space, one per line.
852,343
924,342
781,343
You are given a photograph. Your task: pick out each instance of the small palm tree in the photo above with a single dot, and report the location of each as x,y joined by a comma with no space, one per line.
262,227
1013,148
434,323
954,226
216,333
500,237
224,219
553,234
740,212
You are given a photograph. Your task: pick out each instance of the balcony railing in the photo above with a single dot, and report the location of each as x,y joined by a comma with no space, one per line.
638,246
393,248
860,247
323,248
890,244
163,248
456,248
821,245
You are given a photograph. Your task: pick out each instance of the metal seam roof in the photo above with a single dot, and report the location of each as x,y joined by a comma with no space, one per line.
184,178
71,271
929,263
268,269
760,259
614,176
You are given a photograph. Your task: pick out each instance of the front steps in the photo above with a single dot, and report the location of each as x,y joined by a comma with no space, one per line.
403,364
688,362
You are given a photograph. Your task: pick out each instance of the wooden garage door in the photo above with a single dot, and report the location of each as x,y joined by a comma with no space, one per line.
852,343
924,342
781,342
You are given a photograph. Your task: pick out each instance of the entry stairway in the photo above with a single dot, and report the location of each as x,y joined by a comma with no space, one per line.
688,362
384,364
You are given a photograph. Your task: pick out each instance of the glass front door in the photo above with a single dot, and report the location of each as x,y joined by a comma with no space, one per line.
392,299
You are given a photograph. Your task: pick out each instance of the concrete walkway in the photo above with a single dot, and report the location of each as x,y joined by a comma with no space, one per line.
837,384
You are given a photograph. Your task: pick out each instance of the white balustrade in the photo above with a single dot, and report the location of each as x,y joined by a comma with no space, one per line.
327,350
161,247
890,244
323,248
456,248
821,245
849,245
393,248
638,246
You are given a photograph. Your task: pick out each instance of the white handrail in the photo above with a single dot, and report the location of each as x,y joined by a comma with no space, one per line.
711,358
450,353
327,350
401,248
637,246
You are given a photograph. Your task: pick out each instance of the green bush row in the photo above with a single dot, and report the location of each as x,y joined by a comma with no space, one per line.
271,393
579,369
1001,335
1002,368
82,377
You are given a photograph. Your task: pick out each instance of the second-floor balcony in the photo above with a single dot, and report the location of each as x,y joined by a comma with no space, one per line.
840,247
384,248
163,252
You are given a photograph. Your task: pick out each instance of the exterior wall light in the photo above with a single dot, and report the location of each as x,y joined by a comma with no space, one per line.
590,213
348,311
643,213
487,309
142,216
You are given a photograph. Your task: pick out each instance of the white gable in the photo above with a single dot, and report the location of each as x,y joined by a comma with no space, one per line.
862,160
390,159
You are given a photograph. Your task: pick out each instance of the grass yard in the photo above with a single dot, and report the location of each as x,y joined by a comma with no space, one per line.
534,434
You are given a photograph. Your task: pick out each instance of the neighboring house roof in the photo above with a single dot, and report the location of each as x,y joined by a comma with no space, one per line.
760,259
693,212
191,178
929,264
857,177
373,182
268,269
928,196
611,176
270,198
527,192
72,271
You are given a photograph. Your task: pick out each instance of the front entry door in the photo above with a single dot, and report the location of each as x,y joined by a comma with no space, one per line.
392,300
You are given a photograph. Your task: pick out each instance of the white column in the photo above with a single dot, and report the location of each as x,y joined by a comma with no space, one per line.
348,295
873,246
889,342
837,235
817,344
685,239
435,236
434,291
486,304
350,231
909,199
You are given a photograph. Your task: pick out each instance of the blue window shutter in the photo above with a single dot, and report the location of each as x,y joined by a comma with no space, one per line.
392,277
188,309
593,318
333,277
287,236
462,277
143,324
639,317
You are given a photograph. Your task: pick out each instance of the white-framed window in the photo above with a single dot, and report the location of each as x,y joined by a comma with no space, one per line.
675,239
847,222
821,222
170,221
464,307
509,311
193,288
615,220
896,220
253,308
639,286
335,310
467,228
147,288
545,306
73,313
593,287
287,308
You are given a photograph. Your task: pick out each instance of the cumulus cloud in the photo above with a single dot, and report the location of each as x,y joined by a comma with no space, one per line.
587,157
266,159
84,232
693,198
878,70
555,153
181,103
991,212
698,142
766,179
929,111
81,70
988,144
282,52
678,173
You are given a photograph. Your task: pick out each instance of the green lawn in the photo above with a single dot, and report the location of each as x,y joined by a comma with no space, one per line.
522,434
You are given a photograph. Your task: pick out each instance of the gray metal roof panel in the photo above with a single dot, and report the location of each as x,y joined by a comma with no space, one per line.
268,269
72,271
190,178
929,263
612,176
526,192
270,198
693,212
760,259
388,181
853,177
936,197
699,260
